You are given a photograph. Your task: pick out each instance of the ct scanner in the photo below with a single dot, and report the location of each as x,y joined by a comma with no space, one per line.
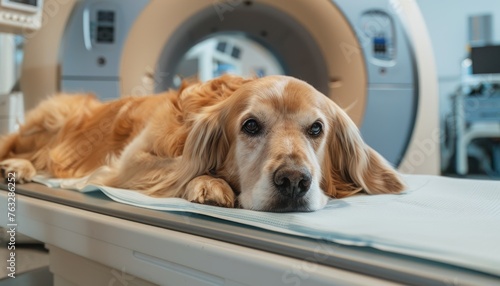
373,57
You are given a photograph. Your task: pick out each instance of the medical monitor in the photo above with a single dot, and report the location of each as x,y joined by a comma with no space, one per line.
20,16
486,60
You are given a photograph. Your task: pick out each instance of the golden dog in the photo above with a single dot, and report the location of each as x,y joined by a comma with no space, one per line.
272,144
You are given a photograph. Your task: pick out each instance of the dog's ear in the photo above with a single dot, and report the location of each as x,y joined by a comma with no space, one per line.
207,144
352,166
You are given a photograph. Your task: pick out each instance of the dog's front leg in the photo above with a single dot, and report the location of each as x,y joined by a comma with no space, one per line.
210,191
20,170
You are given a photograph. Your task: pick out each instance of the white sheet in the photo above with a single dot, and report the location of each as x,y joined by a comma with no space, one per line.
455,221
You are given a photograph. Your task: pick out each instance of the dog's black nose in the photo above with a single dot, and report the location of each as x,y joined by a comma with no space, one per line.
292,182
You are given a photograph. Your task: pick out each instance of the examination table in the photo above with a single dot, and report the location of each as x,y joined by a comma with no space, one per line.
441,231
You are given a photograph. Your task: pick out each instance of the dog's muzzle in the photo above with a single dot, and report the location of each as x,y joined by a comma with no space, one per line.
292,183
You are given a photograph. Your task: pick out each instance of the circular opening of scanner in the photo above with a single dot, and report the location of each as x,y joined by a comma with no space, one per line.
286,44
228,52
313,40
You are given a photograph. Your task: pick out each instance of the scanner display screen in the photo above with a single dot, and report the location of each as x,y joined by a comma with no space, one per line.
26,2
105,27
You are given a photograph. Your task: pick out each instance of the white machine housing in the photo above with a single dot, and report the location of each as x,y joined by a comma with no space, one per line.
11,112
22,17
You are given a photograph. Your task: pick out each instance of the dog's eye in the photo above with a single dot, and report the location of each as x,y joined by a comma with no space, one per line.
251,127
315,129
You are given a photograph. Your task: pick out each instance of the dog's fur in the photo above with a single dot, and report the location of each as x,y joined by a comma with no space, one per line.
193,143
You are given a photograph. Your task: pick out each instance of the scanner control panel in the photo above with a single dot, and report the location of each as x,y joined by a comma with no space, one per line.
379,35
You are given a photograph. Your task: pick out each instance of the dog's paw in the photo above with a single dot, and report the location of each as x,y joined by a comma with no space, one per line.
20,169
210,191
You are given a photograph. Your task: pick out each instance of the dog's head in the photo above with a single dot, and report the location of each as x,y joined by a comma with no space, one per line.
284,146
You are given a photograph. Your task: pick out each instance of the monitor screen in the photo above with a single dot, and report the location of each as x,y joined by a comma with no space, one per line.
26,2
485,60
